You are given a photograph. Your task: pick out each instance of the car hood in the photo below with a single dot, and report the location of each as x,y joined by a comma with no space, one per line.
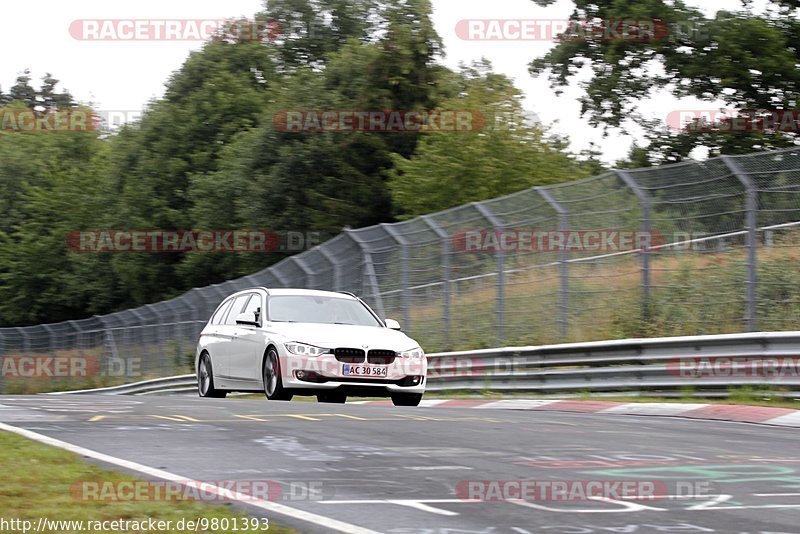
337,335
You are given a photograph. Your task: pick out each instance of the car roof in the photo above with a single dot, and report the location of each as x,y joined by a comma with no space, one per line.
308,292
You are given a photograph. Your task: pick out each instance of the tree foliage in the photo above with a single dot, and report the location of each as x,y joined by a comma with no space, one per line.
744,59
209,156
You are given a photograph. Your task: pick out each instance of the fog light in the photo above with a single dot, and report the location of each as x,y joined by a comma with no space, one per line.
301,374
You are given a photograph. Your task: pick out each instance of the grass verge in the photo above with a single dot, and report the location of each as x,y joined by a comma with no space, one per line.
38,480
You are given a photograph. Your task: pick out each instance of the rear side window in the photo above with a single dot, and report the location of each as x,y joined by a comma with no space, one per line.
236,309
217,318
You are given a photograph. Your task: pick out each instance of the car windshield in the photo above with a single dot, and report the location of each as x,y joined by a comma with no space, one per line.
319,309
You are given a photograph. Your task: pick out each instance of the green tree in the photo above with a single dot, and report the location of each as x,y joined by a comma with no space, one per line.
308,31
507,155
22,91
55,194
746,60
217,93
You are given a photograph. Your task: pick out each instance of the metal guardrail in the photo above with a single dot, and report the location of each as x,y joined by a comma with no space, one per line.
630,366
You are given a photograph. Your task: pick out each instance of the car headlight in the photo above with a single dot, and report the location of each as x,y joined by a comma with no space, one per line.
416,352
301,349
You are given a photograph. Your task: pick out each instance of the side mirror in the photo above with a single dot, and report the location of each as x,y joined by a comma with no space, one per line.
391,323
247,318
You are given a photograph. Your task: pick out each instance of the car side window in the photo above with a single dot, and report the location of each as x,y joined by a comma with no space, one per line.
217,318
254,306
236,309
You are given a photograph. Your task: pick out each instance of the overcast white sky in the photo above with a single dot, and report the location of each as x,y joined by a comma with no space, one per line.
125,75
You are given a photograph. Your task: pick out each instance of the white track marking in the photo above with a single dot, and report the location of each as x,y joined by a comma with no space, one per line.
625,507
423,507
276,508
653,408
792,419
515,404
431,403
438,467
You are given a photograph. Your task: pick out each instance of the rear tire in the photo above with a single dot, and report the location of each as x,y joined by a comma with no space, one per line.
273,382
406,399
205,379
332,397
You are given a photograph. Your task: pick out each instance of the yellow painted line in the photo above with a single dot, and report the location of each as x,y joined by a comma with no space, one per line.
252,418
415,417
97,418
298,416
168,418
346,416
187,418
305,417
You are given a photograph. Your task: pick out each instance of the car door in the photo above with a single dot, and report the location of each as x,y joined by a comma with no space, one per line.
214,340
247,346
227,334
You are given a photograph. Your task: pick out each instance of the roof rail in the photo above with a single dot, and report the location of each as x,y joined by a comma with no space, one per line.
348,293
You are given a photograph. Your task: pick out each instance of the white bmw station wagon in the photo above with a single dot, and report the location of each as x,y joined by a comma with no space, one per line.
288,342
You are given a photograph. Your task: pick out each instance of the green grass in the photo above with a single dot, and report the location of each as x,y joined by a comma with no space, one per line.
692,293
37,480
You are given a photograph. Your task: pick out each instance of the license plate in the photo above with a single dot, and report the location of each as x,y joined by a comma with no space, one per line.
364,370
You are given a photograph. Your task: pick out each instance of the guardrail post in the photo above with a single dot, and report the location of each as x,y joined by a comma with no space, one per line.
445,241
563,263
751,225
497,224
646,203
406,295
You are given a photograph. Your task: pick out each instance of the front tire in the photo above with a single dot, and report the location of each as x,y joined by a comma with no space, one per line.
273,382
205,379
406,399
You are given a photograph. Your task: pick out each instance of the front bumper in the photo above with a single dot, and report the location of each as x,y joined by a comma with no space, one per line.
406,375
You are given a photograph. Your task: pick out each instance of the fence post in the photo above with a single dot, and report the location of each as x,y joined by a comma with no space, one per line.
406,295
497,224
3,356
751,225
563,263
646,203
445,242
279,277
337,267
370,278
308,274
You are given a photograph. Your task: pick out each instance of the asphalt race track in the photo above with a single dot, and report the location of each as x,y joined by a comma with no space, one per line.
403,470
